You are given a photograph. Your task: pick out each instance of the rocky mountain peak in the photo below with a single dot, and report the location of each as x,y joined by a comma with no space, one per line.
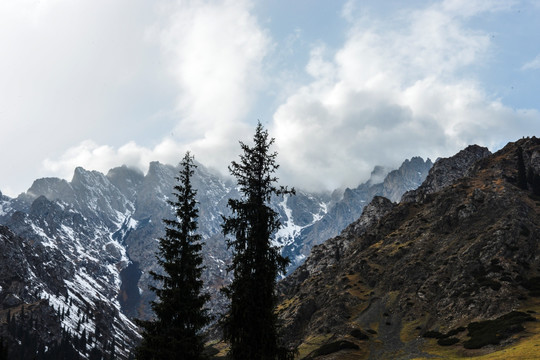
410,174
331,252
342,210
378,174
373,212
159,170
126,179
52,189
83,177
446,171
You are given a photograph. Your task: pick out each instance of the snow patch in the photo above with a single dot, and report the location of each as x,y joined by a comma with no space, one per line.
73,311
5,208
132,224
299,258
45,240
289,231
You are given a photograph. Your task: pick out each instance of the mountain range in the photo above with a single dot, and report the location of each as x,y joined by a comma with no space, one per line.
426,261
76,255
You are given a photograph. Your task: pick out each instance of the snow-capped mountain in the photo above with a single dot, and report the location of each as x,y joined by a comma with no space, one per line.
65,259
88,245
350,204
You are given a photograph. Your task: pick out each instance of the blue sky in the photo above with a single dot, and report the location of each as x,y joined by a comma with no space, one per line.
342,85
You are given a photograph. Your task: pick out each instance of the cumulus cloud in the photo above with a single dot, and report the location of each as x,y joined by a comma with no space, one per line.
214,51
72,71
148,80
105,157
393,91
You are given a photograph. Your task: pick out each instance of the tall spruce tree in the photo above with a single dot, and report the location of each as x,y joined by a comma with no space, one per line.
251,325
180,313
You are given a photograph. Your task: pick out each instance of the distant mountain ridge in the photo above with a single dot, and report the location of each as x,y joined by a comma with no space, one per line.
349,207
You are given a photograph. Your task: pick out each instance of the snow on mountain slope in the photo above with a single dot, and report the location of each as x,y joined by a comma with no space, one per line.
97,236
291,227
73,264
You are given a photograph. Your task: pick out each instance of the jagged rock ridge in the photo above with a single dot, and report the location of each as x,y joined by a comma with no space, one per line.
350,205
465,250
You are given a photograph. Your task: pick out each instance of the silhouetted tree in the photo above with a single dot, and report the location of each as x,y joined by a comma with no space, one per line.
3,350
250,325
179,310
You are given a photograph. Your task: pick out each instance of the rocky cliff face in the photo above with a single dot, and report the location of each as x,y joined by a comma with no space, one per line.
67,283
349,206
445,171
466,249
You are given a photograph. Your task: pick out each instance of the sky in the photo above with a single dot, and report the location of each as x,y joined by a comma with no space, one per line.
341,85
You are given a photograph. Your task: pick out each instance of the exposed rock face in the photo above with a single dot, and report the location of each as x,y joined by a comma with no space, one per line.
466,250
349,207
408,177
447,170
44,292
372,213
331,252
114,221
127,180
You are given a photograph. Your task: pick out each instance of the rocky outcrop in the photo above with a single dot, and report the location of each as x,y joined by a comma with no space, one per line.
127,180
45,306
331,252
447,170
377,208
61,260
347,208
408,177
468,251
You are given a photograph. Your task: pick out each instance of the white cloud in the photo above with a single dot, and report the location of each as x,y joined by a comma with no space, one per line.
129,74
151,79
214,51
467,8
72,71
104,157
391,92
534,64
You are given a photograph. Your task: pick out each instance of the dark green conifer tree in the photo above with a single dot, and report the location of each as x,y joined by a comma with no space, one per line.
251,325
180,313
